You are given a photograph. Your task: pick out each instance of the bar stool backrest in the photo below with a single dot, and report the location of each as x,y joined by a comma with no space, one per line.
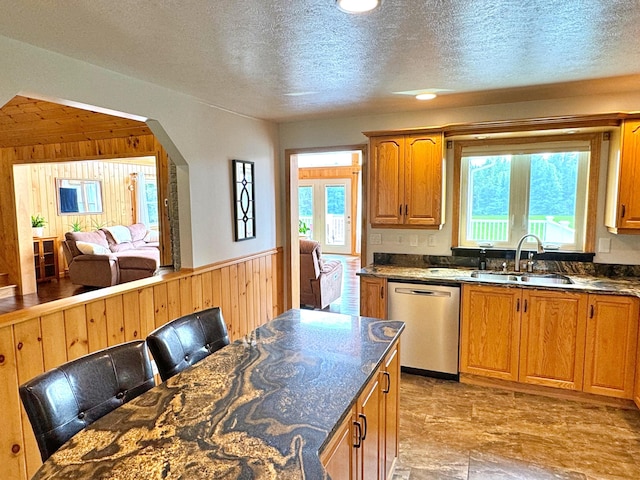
65,400
187,340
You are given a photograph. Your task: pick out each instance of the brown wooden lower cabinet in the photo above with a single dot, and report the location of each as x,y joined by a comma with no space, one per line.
373,297
391,412
575,341
369,428
338,458
636,392
612,340
552,336
489,331
365,446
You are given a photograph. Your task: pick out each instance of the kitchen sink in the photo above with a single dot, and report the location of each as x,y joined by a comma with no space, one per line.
524,278
494,276
545,279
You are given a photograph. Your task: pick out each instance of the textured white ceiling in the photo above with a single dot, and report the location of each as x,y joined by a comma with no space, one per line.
289,59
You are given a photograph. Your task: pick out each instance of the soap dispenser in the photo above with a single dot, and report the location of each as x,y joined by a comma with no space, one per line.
482,259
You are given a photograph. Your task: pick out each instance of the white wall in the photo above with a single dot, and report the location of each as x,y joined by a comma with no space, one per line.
625,249
205,140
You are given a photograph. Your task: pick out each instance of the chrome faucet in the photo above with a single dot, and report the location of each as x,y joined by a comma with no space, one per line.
519,248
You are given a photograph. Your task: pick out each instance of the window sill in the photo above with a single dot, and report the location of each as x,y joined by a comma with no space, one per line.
510,254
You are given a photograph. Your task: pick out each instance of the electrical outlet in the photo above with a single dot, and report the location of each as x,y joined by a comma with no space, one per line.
604,245
431,240
413,240
400,239
375,239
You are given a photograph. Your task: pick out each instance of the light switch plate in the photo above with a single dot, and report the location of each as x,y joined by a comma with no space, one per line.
413,240
431,240
375,239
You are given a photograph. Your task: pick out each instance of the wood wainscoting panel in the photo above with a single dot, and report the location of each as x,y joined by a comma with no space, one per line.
29,363
115,320
97,332
160,311
132,330
13,447
40,338
54,349
75,327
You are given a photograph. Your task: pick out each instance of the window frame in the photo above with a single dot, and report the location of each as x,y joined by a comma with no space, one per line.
594,140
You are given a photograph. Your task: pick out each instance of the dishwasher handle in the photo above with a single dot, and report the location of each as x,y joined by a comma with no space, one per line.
425,293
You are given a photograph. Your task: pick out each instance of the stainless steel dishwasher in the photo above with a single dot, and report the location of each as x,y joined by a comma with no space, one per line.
432,316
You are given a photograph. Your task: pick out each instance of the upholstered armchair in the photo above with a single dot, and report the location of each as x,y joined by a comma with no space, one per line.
320,281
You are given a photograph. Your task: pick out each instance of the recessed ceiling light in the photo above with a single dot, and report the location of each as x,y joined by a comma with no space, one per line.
426,96
357,6
299,94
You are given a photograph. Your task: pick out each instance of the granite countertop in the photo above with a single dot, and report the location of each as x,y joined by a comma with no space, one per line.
629,286
262,407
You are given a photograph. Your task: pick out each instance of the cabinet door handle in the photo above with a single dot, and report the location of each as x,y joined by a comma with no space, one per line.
525,306
406,209
591,311
382,293
388,377
364,429
624,210
358,442
400,210
517,305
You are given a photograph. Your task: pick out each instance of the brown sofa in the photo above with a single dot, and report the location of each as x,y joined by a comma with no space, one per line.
108,257
320,281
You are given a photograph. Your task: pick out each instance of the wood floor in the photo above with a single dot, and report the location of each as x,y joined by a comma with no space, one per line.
47,292
349,302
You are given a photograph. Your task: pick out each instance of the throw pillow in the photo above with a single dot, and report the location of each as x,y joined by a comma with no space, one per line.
152,236
120,233
92,248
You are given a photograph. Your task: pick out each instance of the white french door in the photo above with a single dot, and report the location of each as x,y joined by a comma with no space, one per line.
325,207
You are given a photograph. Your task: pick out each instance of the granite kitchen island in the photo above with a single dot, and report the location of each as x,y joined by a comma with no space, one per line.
263,407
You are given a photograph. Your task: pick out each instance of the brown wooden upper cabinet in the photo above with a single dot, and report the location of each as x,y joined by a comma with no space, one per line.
406,181
622,213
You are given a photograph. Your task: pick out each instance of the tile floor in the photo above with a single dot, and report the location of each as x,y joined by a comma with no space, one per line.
450,430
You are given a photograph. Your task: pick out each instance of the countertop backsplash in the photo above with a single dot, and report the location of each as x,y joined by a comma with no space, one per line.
541,266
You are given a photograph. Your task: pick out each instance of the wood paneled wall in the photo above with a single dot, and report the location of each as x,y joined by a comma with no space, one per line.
117,199
15,209
249,292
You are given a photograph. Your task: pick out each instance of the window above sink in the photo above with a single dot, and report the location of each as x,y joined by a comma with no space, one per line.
542,185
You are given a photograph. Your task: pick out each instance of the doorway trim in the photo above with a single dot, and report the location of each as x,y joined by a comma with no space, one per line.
292,253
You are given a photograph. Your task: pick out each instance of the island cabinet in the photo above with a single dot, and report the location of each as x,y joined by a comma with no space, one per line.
575,341
365,446
373,297
390,399
622,212
489,331
338,457
369,430
406,180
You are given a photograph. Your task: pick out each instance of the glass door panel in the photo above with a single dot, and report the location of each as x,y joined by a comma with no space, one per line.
335,215
324,206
